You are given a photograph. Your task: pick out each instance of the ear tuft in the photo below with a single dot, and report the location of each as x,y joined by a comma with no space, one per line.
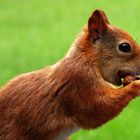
97,23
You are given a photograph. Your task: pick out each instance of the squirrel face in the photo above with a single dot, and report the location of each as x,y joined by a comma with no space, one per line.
118,55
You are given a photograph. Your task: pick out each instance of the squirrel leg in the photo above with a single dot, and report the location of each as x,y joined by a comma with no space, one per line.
110,102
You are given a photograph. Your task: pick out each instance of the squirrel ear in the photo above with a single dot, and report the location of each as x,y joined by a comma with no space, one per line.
97,24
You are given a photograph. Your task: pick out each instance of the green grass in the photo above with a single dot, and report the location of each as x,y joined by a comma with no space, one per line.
35,33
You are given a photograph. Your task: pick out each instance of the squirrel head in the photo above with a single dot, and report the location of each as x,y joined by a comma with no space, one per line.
113,50
118,55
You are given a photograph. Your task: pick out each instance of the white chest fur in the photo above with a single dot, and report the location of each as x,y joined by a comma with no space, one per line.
63,135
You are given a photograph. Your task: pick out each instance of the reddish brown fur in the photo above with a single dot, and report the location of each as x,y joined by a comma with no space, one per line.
71,94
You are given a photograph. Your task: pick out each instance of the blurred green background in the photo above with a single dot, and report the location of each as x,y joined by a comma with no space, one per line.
34,34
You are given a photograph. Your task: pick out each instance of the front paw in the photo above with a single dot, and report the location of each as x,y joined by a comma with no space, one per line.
128,79
135,87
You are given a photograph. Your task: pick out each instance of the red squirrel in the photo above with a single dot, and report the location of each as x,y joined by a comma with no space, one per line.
74,93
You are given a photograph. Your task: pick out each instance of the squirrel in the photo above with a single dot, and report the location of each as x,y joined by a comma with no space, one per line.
76,92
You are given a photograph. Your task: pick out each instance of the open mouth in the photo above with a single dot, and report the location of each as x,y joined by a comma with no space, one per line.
122,74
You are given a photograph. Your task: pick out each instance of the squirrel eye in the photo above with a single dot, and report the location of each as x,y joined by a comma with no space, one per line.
124,47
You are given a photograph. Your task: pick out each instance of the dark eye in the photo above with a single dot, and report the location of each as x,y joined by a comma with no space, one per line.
125,48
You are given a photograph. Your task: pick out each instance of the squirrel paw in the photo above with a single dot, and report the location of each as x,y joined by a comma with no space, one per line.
135,87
